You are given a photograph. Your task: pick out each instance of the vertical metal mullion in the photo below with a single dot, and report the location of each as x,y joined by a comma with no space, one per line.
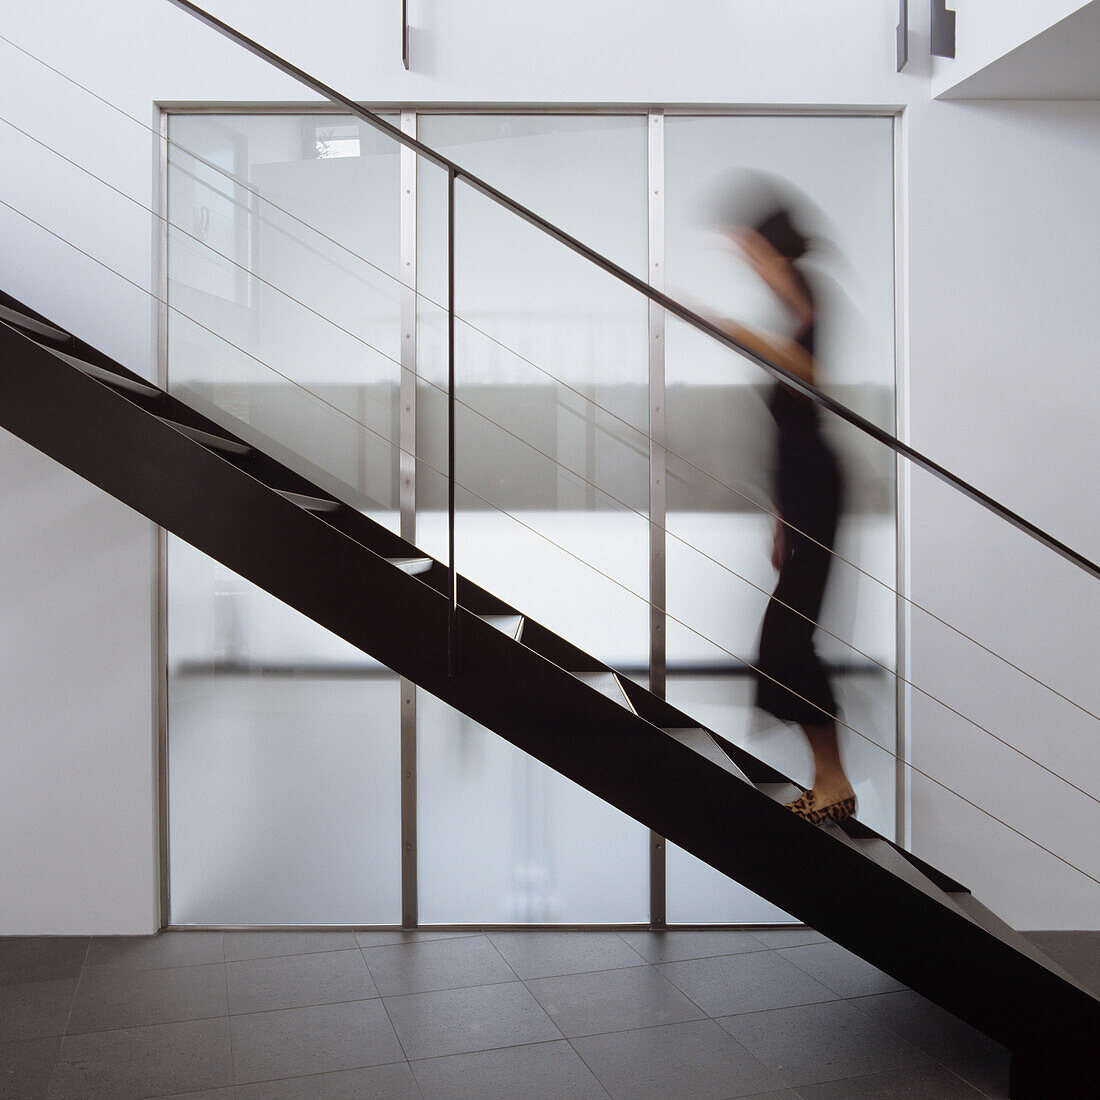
902,498
410,908
657,479
161,610
452,618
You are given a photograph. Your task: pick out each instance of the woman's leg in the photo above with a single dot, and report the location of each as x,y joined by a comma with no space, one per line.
831,783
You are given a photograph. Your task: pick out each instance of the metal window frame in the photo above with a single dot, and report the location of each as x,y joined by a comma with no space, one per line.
657,468
655,119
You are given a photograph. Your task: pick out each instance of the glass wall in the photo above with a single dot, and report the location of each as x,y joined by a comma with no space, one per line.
284,326
287,272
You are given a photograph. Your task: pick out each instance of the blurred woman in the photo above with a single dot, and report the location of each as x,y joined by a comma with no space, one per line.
792,684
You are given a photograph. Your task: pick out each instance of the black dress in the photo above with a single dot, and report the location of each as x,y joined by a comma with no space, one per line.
791,681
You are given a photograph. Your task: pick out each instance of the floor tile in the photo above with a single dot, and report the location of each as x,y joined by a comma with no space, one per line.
146,1061
675,946
390,1082
689,1060
612,1000
821,1042
786,1094
988,1073
792,936
130,953
840,970
927,1026
108,999
296,981
545,954
540,1071
41,958
206,1094
458,1021
397,935
35,1010
925,1083
436,964
269,945
320,1039
745,983
25,1068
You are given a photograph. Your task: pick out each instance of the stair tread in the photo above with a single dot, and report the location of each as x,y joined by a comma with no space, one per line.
697,739
606,683
412,565
780,792
312,504
512,625
31,324
207,439
888,857
104,375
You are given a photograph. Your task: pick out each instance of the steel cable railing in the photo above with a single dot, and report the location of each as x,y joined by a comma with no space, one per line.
575,473
490,504
779,373
669,451
610,496
905,763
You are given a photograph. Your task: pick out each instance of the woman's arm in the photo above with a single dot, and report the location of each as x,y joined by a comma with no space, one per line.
780,350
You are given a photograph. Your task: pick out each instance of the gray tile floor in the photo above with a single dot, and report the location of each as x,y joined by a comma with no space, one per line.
544,1014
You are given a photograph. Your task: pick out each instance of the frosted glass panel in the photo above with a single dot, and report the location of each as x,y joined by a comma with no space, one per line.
720,477
503,838
283,278
283,768
551,374
552,462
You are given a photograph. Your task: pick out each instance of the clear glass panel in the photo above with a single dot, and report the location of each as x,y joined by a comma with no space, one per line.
284,249
551,429
720,521
503,838
284,770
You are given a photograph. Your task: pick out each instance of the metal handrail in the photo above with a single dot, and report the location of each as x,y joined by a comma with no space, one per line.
456,172
587,564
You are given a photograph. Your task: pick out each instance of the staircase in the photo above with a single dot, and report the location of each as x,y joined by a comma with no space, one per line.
557,703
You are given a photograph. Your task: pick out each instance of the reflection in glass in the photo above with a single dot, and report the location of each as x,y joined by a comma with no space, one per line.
283,282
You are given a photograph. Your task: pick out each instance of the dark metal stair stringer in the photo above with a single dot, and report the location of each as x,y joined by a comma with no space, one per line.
214,504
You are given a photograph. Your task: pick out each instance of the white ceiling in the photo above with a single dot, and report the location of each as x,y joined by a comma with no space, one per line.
1061,63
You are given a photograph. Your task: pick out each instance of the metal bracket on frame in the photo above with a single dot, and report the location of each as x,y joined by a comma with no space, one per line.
943,29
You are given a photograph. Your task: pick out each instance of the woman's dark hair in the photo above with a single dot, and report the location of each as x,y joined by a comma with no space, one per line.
775,209
779,231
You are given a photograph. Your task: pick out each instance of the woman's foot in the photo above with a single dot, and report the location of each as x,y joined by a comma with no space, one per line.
817,810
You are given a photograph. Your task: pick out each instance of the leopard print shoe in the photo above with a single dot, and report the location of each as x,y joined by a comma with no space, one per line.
836,812
803,805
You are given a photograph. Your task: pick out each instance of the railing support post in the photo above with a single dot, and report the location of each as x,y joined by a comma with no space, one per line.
452,617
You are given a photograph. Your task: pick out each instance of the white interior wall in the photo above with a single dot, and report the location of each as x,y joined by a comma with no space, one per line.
996,289
986,30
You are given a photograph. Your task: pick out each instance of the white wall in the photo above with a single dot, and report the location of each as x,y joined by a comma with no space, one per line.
986,30
77,806
1003,390
999,352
